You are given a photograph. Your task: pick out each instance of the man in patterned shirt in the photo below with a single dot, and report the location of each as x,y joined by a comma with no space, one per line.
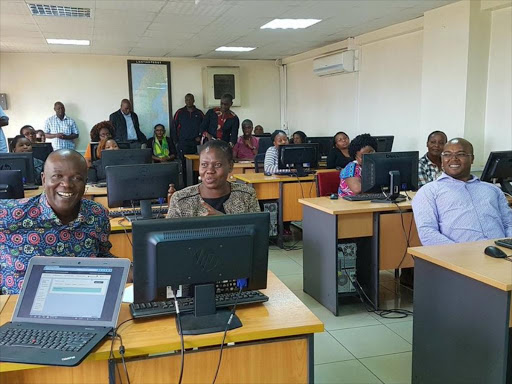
458,207
56,223
429,166
60,129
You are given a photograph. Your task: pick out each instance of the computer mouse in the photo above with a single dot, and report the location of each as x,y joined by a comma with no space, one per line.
267,174
493,251
334,196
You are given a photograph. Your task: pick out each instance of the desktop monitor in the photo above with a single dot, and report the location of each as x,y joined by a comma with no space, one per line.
168,253
22,161
390,173
384,143
140,182
263,135
499,169
324,143
11,185
41,151
298,156
94,147
264,143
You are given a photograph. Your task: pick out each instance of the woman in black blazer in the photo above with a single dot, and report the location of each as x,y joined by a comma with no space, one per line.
338,156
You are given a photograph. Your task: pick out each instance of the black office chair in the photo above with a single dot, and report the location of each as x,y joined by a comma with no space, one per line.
259,161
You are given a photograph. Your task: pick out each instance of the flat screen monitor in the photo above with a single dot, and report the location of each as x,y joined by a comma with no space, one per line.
298,156
264,143
168,253
263,135
11,185
41,151
22,161
384,143
324,144
499,169
94,147
141,183
390,173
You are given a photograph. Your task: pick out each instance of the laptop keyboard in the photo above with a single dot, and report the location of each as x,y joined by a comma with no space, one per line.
45,339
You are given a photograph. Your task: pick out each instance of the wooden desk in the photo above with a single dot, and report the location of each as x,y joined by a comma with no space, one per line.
192,167
287,190
462,315
275,345
376,229
91,193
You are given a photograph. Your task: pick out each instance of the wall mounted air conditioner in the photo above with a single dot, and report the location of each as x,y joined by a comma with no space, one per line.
335,64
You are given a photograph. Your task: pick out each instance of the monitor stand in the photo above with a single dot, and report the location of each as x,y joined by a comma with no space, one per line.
300,170
506,186
145,212
394,187
206,318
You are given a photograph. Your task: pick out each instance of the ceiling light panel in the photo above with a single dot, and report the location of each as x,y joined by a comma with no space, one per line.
290,23
235,49
58,10
68,42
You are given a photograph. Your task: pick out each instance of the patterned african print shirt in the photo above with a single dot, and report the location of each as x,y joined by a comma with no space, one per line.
353,169
29,227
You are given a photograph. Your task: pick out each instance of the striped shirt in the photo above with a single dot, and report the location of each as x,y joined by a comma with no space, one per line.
67,126
453,211
272,161
427,171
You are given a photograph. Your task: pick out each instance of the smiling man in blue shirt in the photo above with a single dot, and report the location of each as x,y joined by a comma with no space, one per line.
458,207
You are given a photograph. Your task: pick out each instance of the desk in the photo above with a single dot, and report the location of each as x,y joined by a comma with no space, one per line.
91,193
275,345
462,315
375,227
192,165
287,190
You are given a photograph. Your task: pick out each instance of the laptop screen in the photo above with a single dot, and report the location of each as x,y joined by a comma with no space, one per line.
78,294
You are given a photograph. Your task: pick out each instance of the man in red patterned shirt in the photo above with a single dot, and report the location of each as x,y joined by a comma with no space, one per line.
221,123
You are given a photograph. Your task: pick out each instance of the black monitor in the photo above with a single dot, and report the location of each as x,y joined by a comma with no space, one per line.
22,161
499,169
11,185
41,151
390,172
264,143
263,135
140,182
94,147
168,253
298,156
384,143
324,144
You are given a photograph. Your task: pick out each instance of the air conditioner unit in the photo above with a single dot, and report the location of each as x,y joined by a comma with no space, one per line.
335,64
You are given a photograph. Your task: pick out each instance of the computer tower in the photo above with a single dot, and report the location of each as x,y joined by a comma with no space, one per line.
347,257
272,208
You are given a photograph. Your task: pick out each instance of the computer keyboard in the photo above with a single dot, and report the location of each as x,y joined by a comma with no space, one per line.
45,339
160,210
222,300
366,197
30,187
507,243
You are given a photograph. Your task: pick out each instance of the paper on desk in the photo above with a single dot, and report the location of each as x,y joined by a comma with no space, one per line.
128,294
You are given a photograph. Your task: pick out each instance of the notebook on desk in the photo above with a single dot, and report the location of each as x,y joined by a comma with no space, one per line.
67,305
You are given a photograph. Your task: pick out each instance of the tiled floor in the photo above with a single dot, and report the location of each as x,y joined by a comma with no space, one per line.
357,347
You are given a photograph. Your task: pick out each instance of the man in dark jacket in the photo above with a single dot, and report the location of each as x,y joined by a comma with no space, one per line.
221,123
126,123
186,127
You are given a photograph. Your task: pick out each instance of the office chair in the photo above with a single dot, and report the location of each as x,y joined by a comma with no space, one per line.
327,183
259,161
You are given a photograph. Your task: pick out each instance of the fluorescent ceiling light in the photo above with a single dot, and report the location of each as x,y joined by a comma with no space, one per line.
235,49
68,42
290,23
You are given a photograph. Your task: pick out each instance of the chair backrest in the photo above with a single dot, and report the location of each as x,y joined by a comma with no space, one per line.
327,183
259,161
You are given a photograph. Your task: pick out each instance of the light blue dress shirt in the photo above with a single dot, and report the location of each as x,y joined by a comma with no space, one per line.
3,141
131,134
453,211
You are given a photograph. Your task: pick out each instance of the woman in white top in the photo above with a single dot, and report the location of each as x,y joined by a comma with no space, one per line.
271,156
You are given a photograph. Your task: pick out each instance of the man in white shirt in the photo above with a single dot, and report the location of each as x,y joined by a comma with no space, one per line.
126,123
60,129
4,120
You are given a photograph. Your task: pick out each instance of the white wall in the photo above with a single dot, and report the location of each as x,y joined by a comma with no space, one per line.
498,121
92,86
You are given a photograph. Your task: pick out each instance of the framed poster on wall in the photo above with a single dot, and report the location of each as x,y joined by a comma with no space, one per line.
149,84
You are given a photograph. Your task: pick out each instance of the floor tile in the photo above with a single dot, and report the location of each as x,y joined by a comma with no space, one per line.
391,369
329,350
402,329
306,299
345,320
277,256
371,341
344,372
390,319
293,282
285,267
386,276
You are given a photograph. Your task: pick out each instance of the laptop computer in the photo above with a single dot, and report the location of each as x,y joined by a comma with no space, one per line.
67,305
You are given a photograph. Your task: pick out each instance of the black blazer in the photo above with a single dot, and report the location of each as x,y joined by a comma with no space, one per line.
336,159
229,130
118,121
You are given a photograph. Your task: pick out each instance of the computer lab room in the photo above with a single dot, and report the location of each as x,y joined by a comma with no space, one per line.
256,191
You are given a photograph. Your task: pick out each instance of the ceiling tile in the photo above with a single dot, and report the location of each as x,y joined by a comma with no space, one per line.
146,5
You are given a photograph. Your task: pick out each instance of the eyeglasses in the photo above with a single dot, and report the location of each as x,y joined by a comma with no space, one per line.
458,155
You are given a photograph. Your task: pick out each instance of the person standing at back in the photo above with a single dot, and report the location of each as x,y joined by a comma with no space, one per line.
186,125
60,129
4,120
221,122
430,165
126,125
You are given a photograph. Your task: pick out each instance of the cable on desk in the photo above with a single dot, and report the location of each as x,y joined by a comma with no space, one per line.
121,352
225,333
115,335
180,331
120,222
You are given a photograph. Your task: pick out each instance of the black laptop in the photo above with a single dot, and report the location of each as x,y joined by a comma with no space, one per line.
67,305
